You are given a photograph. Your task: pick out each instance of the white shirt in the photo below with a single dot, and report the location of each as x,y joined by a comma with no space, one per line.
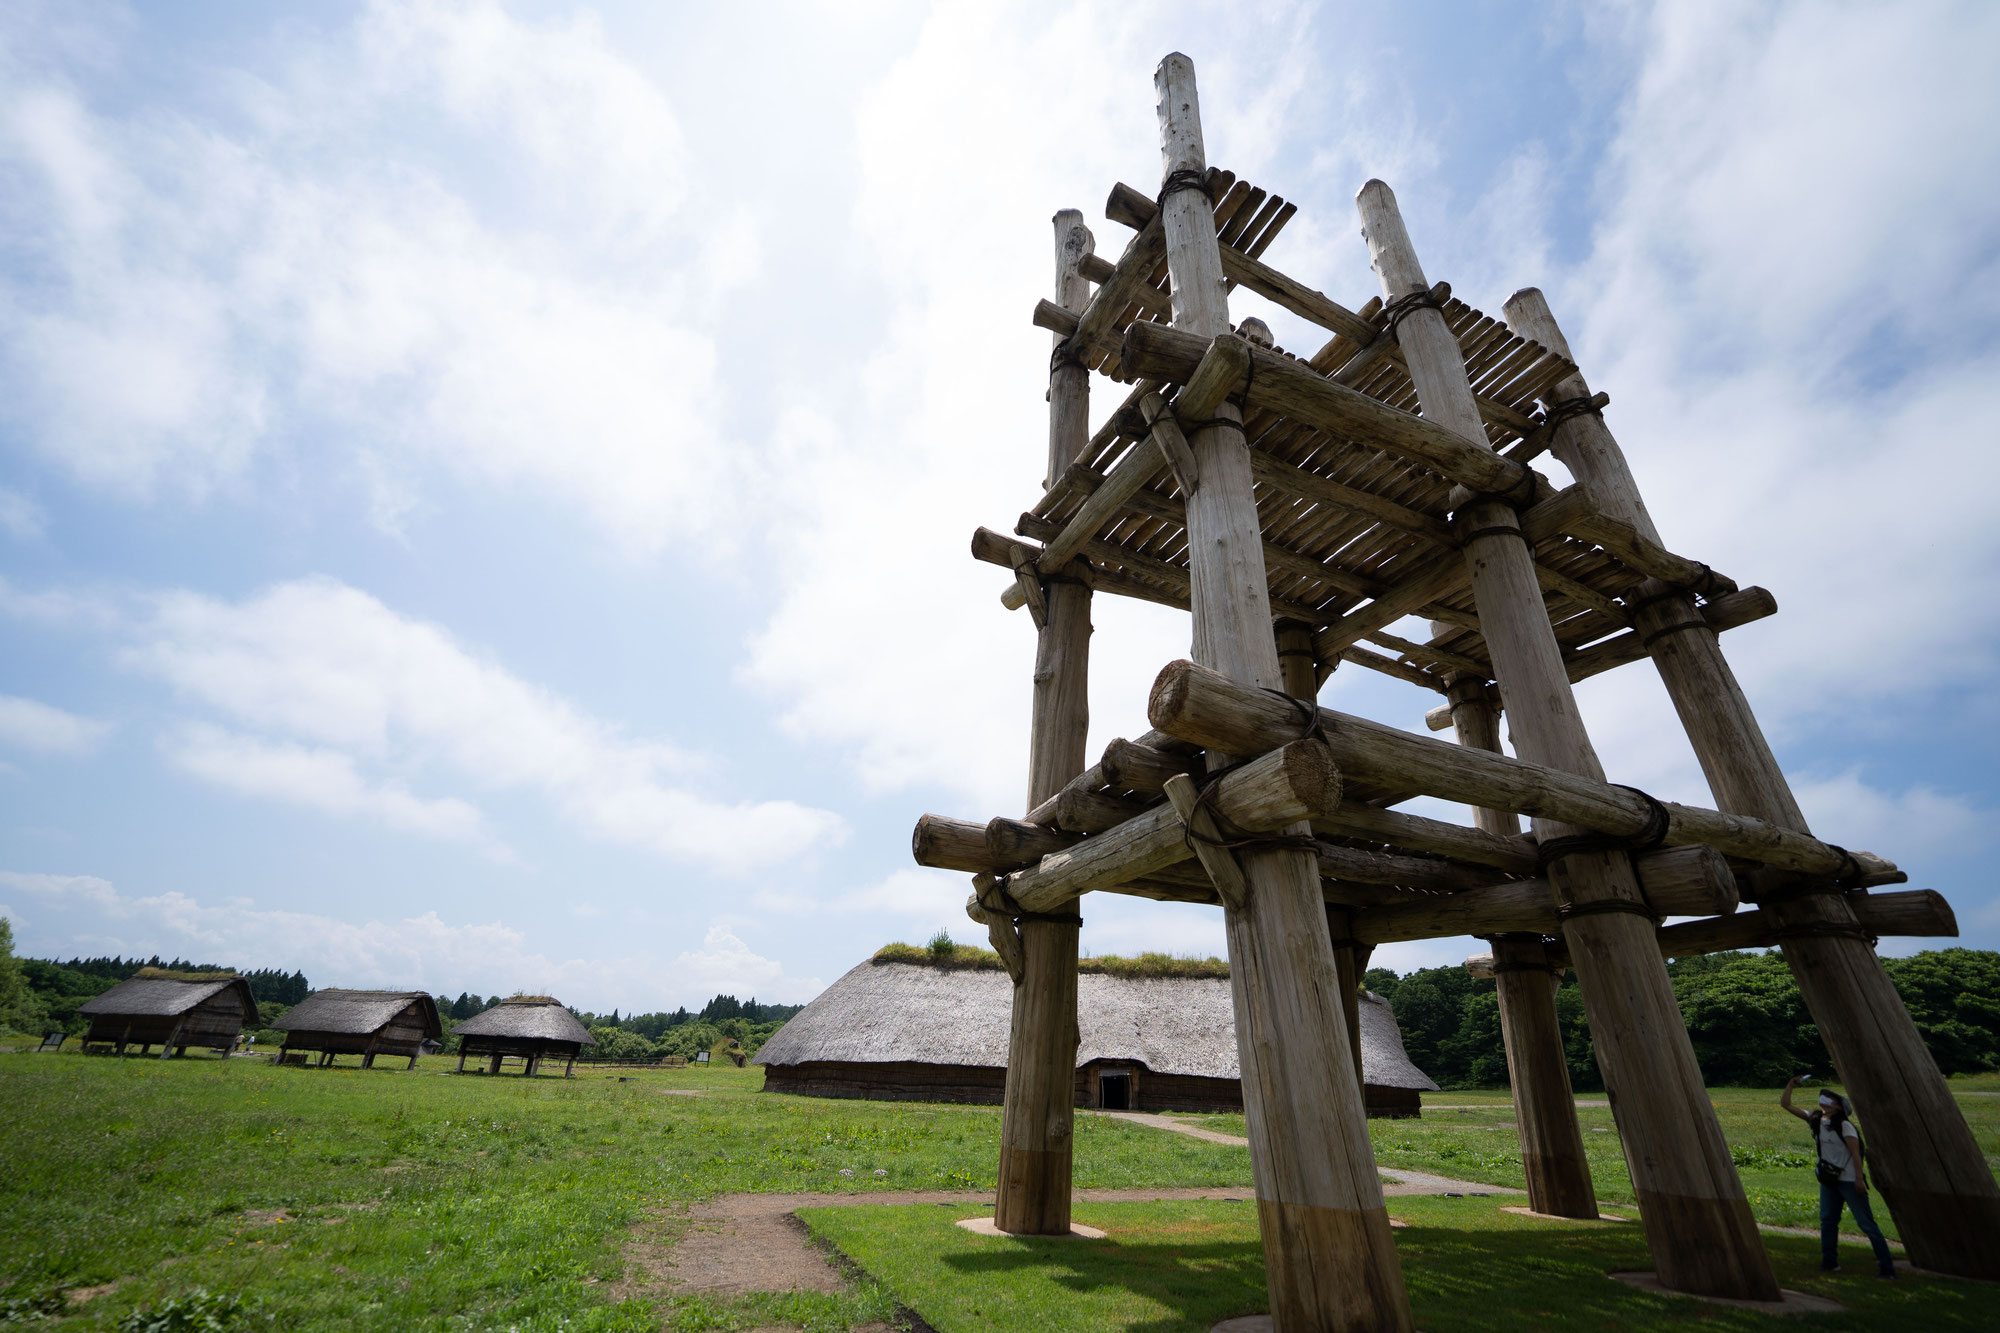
1833,1145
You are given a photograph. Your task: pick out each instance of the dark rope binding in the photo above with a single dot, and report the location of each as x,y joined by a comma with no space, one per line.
1008,907
1649,837
1185,179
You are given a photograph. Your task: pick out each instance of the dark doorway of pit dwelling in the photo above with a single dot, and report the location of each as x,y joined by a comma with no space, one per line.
1114,1090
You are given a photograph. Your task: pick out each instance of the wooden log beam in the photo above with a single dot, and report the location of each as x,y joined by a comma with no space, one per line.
1295,391
1922,913
1418,833
1207,708
1724,613
1216,860
1277,789
996,548
1683,881
1121,291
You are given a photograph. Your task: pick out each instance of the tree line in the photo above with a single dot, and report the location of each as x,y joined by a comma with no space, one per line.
1744,1013
42,994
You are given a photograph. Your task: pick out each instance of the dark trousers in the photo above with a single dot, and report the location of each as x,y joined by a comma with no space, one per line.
1831,1197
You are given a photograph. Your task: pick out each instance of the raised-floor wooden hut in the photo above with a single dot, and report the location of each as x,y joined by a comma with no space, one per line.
533,1027
895,1030
170,1010
366,1023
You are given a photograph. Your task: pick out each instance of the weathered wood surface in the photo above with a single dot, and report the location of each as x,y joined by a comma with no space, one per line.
1207,708
1552,1153
1036,1119
1685,881
1936,1181
1697,1220
1272,792
1330,1261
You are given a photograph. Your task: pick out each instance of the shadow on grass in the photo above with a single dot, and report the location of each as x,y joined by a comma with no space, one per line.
1180,1269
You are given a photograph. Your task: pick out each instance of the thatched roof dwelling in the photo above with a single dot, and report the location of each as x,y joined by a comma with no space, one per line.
903,1030
173,1010
367,1023
533,1027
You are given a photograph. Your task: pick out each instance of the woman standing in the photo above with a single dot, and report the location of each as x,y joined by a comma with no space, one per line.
1842,1170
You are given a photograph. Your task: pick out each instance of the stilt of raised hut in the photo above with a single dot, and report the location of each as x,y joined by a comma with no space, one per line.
1038,1112
1931,1171
1537,1066
1329,1257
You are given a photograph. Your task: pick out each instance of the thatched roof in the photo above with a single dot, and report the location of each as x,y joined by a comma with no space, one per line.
165,996
527,1016
894,1012
355,1012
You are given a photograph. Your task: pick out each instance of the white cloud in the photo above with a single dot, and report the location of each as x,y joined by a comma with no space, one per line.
343,687
1921,820
320,779
424,951
319,246
29,724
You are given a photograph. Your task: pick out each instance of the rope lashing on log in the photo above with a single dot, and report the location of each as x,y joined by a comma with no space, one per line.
1580,406
1498,530
1065,355
1231,838
1605,907
1187,179
1647,641
993,896
1707,585
1649,837
1396,311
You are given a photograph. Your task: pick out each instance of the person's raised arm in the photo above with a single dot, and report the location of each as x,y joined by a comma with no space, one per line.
1785,1098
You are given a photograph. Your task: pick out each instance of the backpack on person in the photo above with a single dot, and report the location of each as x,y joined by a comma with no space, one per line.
1829,1173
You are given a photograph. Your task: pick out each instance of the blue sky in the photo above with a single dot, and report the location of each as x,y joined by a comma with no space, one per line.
484,489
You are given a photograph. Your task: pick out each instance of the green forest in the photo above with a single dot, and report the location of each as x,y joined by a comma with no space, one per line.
1743,1010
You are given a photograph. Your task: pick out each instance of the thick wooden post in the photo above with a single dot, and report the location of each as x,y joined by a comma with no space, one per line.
1329,1256
1300,675
1931,1172
1697,1220
1544,1106
1039,1108
1537,1066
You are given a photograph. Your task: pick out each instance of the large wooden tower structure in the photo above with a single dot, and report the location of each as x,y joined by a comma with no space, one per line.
1300,507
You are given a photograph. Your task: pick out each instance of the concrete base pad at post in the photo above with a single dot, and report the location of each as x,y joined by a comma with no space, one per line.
1558,1217
1788,1302
986,1226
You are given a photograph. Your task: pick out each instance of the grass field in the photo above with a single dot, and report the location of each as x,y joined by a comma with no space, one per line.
392,1200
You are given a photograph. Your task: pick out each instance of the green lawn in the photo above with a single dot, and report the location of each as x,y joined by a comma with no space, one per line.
1773,1151
1180,1267
393,1200
423,1200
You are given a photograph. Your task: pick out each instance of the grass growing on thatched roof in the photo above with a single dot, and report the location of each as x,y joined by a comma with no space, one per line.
531,999
967,958
166,974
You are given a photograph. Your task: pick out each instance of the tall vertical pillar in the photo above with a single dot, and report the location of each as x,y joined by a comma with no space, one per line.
1039,1106
1329,1256
1299,672
1537,1066
1697,1220
1926,1162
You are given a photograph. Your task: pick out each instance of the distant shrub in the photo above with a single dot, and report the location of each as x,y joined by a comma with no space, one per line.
963,957
942,946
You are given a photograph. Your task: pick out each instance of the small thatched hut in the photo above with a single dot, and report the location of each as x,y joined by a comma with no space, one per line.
908,1031
173,1010
367,1023
533,1027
